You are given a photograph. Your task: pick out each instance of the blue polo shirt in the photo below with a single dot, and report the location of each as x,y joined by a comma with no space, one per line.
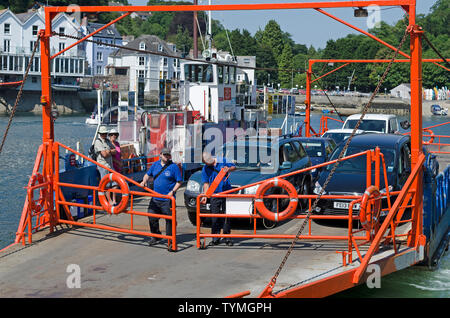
209,173
166,180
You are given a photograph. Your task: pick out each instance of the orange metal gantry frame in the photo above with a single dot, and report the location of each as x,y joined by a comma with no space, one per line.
415,59
409,6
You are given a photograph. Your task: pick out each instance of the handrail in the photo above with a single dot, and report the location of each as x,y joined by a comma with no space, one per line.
394,209
149,192
20,234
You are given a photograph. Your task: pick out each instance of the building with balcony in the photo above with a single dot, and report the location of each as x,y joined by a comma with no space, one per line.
19,35
139,63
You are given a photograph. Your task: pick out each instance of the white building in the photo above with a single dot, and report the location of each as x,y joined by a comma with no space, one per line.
246,74
18,35
402,91
139,62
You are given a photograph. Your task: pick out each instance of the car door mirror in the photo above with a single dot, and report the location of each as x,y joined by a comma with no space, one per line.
286,165
405,124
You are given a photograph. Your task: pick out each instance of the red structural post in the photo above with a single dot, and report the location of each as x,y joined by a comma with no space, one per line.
416,121
47,120
308,101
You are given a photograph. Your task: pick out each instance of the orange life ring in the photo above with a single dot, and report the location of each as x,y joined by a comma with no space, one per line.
274,216
123,187
37,205
369,215
429,142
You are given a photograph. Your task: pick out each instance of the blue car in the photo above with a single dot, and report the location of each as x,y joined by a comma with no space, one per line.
257,160
318,150
350,176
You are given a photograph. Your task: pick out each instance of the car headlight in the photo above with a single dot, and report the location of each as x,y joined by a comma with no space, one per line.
251,190
317,188
193,186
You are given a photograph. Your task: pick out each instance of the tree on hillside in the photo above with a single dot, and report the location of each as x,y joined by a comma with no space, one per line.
265,59
285,62
273,37
182,40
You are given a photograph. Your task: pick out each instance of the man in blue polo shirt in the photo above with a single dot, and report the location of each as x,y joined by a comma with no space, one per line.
166,180
210,171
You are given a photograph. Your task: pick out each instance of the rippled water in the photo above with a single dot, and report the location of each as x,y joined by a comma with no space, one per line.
16,164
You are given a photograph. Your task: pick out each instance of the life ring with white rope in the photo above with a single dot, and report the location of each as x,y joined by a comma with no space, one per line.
288,211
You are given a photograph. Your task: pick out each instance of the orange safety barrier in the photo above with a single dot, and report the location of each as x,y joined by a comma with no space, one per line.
372,155
59,200
47,216
437,144
27,213
324,124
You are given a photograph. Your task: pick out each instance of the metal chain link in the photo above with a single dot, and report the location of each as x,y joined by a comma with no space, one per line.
341,155
19,94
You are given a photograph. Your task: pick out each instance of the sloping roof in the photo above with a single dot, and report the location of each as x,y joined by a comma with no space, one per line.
109,32
152,43
408,85
23,17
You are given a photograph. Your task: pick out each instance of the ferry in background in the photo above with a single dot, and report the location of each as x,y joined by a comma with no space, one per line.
210,97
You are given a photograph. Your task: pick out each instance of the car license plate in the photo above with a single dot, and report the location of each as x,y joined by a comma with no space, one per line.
345,205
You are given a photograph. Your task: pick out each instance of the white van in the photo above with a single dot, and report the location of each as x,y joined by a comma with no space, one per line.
380,123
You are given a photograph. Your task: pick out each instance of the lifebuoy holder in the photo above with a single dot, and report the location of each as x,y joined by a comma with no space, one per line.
264,211
113,177
37,205
369,213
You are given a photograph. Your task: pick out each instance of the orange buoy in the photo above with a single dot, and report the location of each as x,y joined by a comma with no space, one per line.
369,214
274,216
37,205
113,177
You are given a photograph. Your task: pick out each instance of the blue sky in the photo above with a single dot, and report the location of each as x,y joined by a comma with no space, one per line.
305,26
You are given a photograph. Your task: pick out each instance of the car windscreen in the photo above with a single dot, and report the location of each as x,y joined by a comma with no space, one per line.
367,124
359,164
337,137
313,149
247,157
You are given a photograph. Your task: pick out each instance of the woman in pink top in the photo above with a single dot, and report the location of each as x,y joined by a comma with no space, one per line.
117,160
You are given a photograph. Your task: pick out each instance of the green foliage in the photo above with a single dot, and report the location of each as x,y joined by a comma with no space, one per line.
285,63
275,48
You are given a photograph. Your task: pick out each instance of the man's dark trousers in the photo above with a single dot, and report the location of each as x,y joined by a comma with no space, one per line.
217,206
160,207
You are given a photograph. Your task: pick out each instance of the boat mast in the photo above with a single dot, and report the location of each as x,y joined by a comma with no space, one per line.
209,31
194,33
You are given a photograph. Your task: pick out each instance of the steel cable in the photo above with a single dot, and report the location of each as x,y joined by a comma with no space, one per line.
19,94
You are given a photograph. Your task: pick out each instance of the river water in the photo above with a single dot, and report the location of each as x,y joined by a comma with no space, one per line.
25,136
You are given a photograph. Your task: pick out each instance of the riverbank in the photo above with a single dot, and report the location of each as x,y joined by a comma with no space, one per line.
83,102
380,105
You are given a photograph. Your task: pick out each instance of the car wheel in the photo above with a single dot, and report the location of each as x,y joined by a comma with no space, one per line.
193,218
268,224
305,189
302,187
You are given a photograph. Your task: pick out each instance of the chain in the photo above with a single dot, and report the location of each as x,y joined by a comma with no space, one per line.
341,155
19,94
